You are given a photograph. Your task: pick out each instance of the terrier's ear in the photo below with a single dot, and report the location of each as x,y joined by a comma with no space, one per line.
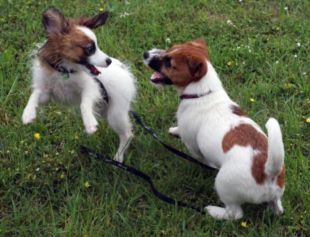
94,22
197,67
54,22
200,41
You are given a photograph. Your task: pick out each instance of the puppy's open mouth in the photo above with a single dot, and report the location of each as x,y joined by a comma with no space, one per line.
159,78
92,69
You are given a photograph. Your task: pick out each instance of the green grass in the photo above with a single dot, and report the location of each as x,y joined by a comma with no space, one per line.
42,182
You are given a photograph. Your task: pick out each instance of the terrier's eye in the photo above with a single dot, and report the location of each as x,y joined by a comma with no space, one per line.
167,62
90,49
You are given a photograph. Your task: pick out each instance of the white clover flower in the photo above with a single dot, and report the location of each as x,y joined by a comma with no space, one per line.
298,44
168,40
124,14
230,23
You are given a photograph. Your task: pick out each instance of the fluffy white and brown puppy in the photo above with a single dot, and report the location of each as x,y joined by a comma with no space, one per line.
218,133
69,68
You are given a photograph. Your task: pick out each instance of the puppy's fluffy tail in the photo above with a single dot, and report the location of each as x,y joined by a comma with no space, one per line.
275,159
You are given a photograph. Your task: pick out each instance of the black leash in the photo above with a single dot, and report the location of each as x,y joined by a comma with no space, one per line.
89,152
168,147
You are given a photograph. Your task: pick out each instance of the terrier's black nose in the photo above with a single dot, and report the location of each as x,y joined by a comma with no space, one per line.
146,55
108,61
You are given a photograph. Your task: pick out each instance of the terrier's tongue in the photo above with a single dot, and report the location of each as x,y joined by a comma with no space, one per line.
157,75
93,70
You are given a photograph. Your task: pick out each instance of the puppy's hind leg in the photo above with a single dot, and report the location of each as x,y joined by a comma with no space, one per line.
119,121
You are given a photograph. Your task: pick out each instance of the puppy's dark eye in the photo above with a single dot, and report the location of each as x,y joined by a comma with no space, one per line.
167,62
90,49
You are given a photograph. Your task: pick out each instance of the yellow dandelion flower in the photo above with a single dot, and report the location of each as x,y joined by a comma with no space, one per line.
37,136
101,9
244,224
252,100
308,120
287,86
87,184
229,63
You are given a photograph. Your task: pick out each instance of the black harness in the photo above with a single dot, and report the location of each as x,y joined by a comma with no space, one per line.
91,153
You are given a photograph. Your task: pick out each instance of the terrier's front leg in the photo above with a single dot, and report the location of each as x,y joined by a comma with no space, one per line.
173,131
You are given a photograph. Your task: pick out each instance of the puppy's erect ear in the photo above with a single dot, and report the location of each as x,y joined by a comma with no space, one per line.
54,22
197,67
94,22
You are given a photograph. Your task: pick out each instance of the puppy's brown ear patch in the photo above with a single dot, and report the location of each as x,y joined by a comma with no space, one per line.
197,67
54,22
93,22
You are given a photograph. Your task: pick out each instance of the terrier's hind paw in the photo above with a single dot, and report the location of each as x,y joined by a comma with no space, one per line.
173,131
225,213
216,212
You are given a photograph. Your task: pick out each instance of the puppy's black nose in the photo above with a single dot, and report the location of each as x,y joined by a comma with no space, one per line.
108,61
146,55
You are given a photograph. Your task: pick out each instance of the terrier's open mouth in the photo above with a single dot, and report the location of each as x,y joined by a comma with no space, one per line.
159,78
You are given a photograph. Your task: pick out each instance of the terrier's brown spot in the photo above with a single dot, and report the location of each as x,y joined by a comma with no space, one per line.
237,110
247,135
281,178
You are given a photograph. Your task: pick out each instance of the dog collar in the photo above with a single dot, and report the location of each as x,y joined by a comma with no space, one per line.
61,69
194,96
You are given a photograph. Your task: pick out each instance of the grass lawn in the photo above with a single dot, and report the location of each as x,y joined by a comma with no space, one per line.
261,52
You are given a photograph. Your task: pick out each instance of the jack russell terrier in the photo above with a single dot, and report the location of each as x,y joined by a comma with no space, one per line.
218,133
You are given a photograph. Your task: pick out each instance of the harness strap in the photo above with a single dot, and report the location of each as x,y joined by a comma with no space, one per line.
89,152
104,93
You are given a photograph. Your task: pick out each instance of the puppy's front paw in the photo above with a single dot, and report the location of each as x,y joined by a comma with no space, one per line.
29,115
173,131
